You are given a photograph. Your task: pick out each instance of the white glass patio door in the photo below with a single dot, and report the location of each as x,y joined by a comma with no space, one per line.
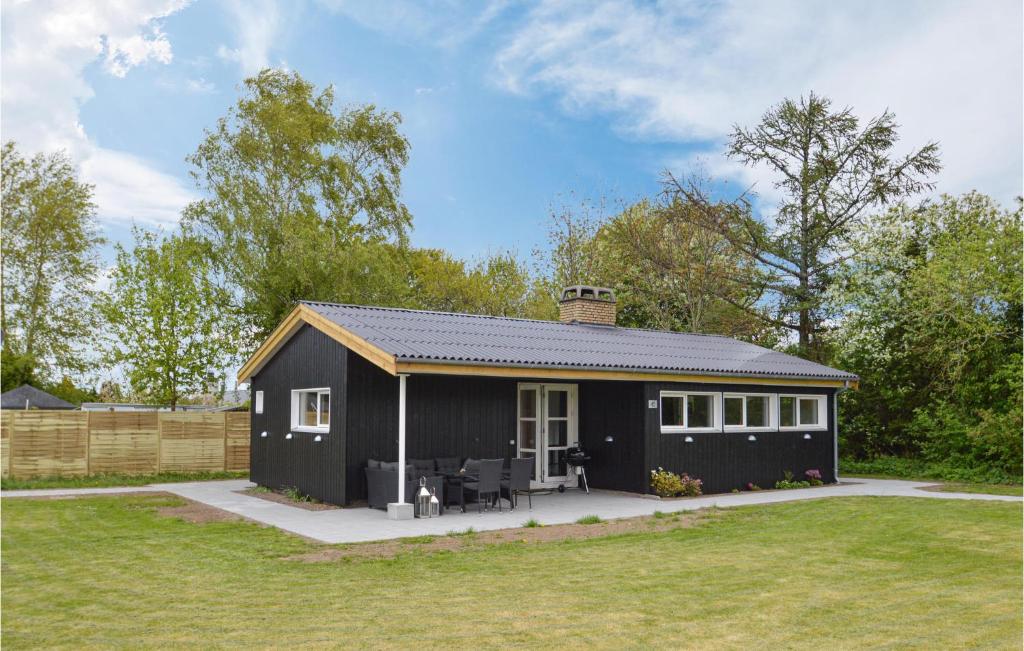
547,428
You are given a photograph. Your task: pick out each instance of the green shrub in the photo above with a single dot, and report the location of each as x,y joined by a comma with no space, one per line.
789,482
590,519
531,523
295,495
669,484
905,468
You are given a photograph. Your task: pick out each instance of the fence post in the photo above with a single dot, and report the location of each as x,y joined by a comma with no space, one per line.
224,437
10,443
88,443
159,440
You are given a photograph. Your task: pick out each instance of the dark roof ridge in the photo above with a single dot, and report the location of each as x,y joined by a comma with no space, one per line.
515,318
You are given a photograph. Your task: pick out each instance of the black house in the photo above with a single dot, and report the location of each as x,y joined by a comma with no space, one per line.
336,385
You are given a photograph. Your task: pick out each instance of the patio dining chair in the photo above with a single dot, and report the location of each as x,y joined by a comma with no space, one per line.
518,482
487,483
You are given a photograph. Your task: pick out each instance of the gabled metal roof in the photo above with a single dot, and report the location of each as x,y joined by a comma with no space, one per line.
446,338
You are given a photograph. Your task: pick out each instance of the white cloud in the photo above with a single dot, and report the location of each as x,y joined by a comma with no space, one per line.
950,71
129,189
258,27
445,23
125,53
188,85
46,48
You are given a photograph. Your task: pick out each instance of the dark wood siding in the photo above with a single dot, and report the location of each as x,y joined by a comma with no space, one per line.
445,416
310,359
476,416
613,409
727,460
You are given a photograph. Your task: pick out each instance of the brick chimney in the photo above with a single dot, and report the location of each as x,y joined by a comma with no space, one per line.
586,304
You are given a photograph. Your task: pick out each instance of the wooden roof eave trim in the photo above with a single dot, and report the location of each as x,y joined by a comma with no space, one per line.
305,315
611,374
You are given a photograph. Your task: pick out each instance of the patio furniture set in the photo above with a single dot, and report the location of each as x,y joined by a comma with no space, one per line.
454,480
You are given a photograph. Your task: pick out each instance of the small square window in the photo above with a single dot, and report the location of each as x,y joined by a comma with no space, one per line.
796,412
757,411
699,411
787,411
808,411
672,411
681,411
733,411
311,409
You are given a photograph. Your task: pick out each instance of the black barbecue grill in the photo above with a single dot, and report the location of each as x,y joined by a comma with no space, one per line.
577,458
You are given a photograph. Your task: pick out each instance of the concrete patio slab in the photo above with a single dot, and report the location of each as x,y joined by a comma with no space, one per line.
363,524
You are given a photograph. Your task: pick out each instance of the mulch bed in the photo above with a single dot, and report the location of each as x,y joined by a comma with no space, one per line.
457,541
196,512
188,510
280,498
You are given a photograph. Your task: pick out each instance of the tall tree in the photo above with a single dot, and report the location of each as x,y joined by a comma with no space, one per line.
48,265
934,305
674,275
832,170
166,330
297,193
667,273
499,285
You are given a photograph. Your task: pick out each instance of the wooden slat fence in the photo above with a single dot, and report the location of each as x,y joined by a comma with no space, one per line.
77,443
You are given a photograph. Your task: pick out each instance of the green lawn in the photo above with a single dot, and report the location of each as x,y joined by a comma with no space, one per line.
948,487
103,480
862,572
988,489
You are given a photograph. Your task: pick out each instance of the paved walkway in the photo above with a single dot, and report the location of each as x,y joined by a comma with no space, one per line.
362,524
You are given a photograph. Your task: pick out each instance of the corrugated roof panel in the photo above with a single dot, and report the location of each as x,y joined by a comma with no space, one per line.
413,335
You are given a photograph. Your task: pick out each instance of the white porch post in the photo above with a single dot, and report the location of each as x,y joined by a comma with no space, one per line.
400,510
401,437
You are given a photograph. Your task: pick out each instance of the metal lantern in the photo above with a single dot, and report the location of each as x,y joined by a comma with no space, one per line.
435,504
423,500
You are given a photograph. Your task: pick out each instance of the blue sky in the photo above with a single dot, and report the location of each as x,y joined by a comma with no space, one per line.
509,107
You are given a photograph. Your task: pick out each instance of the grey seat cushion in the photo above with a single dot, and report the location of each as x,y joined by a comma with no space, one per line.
472,466
448,465
424,467
373,463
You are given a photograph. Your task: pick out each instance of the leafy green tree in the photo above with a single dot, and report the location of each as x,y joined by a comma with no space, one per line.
667,272
832,171
934,330
298,193
499,285
67,390
166,330
673,275
48,266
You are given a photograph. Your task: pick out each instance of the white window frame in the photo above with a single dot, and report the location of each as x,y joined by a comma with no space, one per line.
297,411
822,412
716,412
773,412
258,407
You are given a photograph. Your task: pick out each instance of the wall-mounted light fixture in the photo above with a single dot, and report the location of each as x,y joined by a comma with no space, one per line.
263,435
317,438
807,437
288,436
688,439
609,439
751,438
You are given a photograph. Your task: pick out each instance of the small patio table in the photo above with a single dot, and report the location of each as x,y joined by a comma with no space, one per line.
459,479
